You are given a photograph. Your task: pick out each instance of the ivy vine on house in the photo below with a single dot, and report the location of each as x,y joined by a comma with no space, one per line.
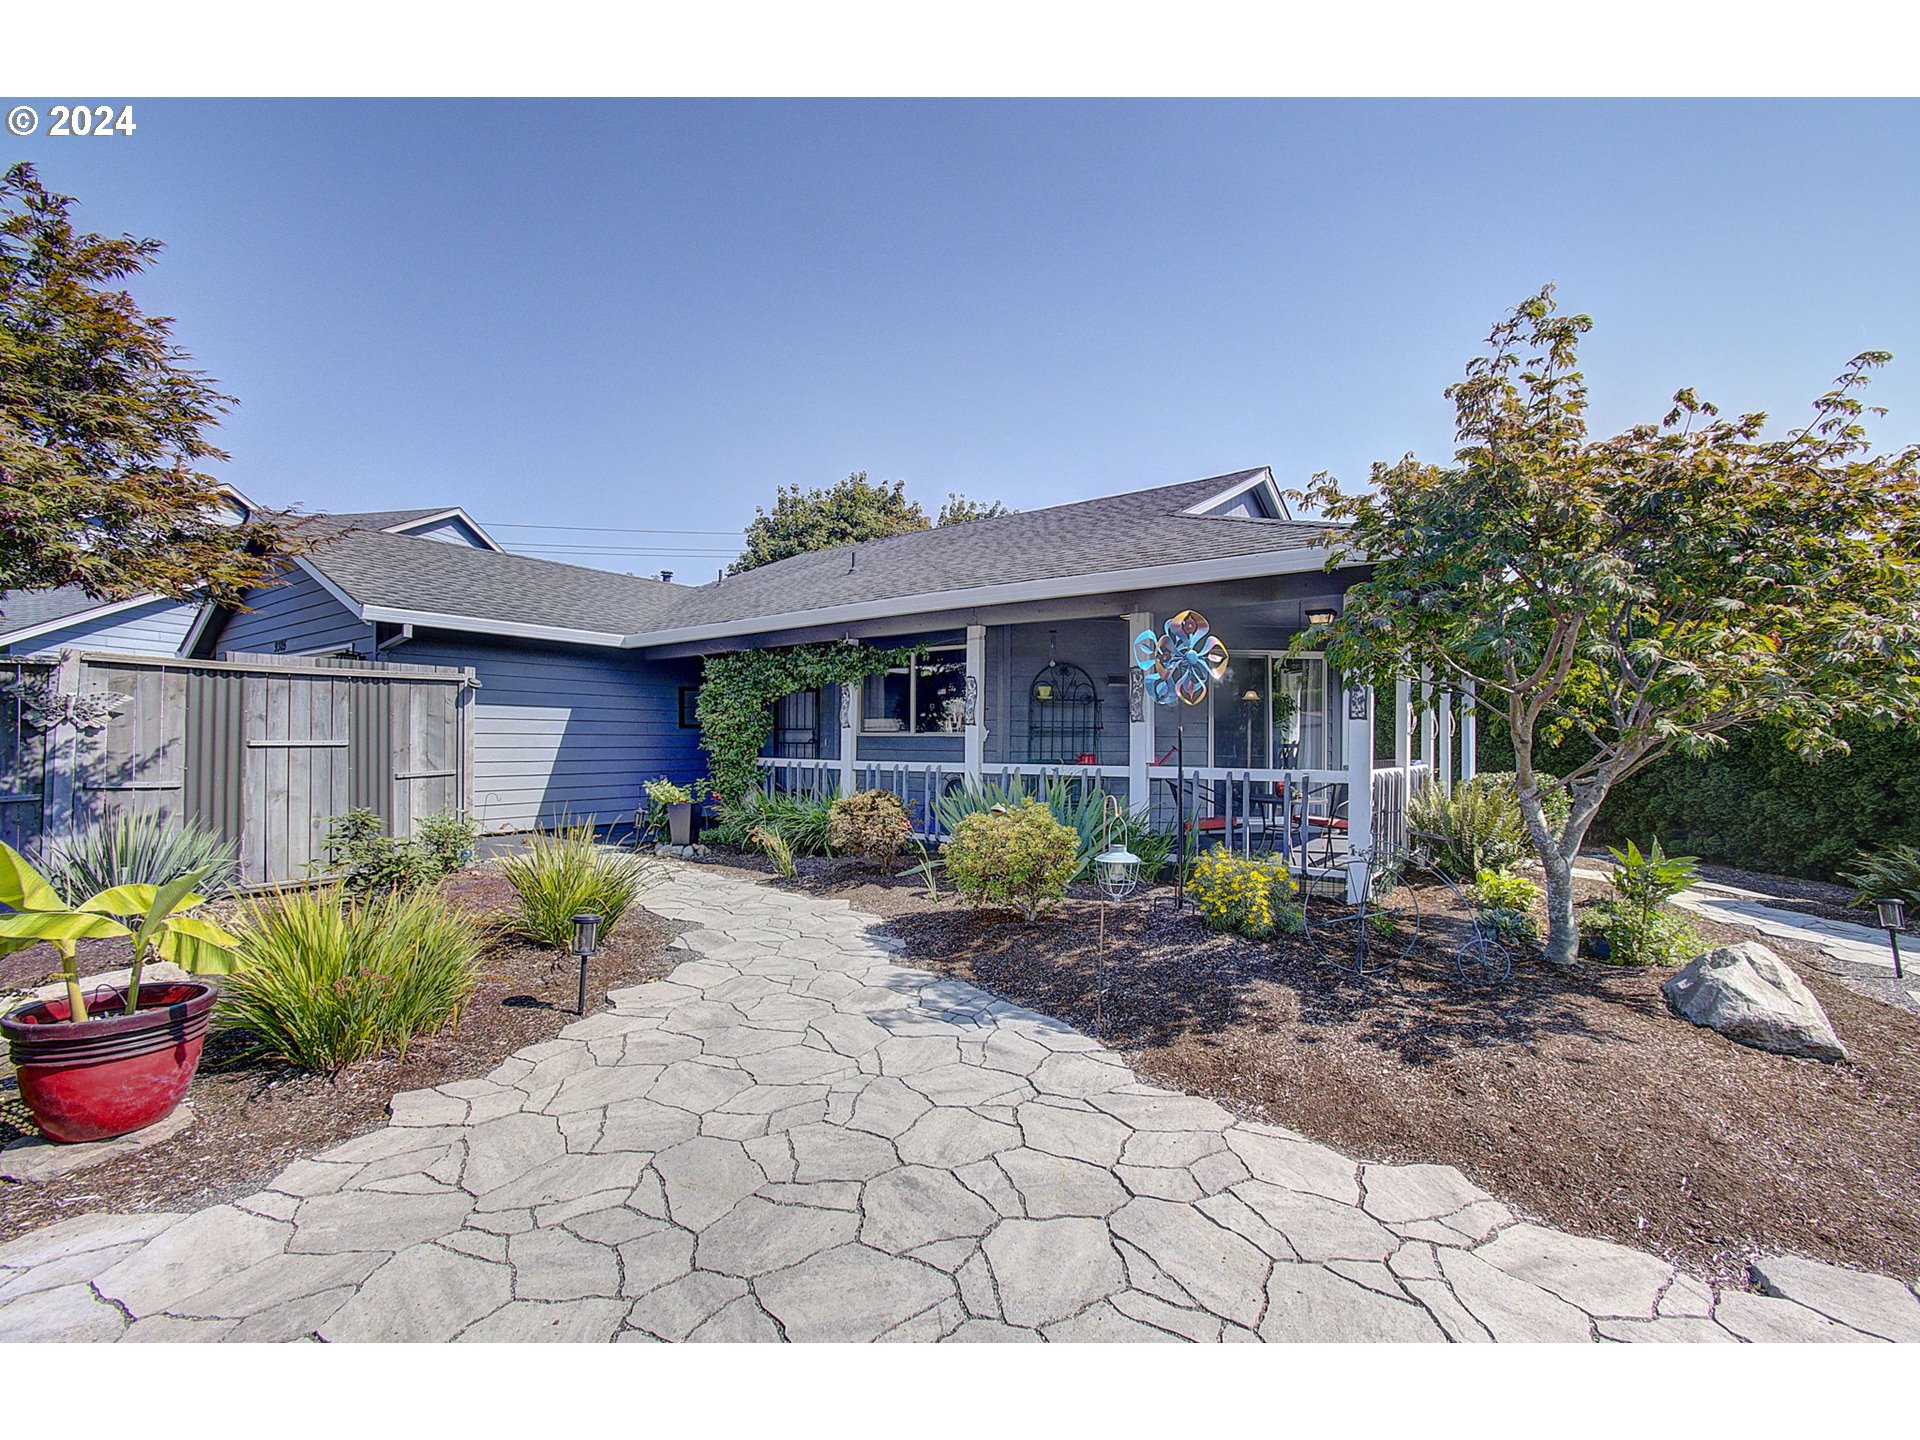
738,692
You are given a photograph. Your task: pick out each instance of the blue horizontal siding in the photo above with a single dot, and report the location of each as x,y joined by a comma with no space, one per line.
157,628
565,732
295,617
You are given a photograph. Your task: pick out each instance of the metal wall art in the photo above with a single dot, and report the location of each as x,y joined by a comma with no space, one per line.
1182,661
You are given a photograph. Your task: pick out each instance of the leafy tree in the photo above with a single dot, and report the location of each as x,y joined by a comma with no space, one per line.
803,520
1647,593
856,509
104,423
959,509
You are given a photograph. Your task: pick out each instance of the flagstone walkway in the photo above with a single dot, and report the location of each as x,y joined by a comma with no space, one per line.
794,1138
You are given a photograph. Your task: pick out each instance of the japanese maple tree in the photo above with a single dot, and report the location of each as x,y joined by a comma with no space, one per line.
1649,592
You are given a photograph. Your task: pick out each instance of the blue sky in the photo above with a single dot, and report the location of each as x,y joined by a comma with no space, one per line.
649,314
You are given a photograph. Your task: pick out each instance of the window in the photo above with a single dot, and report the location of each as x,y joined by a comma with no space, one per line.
689,707
924,697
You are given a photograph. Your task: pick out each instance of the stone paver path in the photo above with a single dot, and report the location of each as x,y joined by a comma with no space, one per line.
794,1138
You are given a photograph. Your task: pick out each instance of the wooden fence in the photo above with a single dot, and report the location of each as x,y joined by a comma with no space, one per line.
266,749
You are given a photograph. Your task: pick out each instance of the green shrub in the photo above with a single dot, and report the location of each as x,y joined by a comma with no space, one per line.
1476,826
1634,922
1492,890
1504,906
803,821
571,873
140,848
1079,807
326,981
1640,937
1889,873
1245,895
870,824
1016,855
447,840
371,863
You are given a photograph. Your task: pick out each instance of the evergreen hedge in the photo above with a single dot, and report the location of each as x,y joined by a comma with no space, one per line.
1756,804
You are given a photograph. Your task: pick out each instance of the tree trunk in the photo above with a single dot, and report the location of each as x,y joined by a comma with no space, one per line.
1563,933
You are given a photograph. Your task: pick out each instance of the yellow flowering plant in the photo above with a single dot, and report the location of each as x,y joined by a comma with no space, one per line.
1245,895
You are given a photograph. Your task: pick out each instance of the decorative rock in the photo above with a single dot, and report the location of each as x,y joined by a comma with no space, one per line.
1748,994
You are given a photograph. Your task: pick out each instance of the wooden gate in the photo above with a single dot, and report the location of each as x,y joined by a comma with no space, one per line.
266,750
293,774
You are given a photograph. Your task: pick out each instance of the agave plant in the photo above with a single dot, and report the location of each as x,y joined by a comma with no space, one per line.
151,916
140,848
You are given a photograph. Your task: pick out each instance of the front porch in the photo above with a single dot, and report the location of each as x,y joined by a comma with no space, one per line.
1280,757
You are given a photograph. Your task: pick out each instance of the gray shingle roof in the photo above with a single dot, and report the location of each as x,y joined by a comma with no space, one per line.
1116,532
405,572
22,609
380,519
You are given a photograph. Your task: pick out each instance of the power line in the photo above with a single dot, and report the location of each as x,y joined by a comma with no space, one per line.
598,529
614,550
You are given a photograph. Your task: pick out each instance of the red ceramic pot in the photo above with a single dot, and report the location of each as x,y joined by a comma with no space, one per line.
114,1073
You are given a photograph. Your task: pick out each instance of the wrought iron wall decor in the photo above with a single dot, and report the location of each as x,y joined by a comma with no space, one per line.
1063,715
1181,662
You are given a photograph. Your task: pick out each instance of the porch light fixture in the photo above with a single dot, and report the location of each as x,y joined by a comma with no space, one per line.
1321,615
1893,919
586,940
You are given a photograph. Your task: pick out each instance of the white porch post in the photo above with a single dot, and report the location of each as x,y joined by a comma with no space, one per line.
1446,738
1427,726
850,702
975,704
1470,734
1358,701
1139,721
1402,722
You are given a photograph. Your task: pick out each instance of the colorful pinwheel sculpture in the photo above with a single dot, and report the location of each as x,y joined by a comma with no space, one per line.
1181,662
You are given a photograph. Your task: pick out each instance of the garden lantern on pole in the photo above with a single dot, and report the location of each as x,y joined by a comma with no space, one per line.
586,940
1893,919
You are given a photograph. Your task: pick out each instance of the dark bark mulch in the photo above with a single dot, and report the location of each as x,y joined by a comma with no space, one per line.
253,1117
1578,1098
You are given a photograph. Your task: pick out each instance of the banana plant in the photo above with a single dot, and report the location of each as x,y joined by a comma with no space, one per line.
152,917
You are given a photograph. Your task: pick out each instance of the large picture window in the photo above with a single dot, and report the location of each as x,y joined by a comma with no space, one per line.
924,697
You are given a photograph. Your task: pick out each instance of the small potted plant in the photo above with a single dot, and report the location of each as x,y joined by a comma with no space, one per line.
90,1071
677,802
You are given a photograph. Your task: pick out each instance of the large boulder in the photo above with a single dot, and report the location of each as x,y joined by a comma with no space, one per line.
1748,994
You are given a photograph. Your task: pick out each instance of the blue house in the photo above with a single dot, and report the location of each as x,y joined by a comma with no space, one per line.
586,680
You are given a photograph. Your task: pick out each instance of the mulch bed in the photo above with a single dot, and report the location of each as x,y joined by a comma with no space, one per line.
253,1117
1578,1098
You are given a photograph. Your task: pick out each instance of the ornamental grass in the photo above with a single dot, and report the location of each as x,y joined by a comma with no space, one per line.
571,873
326,981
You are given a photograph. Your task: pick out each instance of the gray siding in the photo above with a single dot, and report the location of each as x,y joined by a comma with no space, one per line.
157,628
296,617
1015,654
565,731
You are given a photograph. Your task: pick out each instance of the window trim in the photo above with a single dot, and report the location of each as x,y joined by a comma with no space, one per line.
912,671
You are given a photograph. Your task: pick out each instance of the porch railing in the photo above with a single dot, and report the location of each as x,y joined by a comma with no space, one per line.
1297,813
